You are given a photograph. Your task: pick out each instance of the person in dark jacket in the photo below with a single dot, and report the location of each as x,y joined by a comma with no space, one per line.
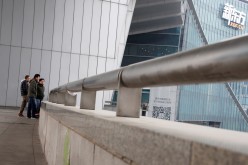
24,94
32,94
40,93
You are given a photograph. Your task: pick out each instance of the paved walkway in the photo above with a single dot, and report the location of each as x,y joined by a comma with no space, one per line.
19,140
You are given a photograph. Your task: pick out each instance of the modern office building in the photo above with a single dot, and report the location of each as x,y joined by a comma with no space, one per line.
63,40
204,22
223,104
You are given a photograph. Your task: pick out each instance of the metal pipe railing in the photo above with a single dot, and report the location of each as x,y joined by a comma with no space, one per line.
225,61
220,62
105,81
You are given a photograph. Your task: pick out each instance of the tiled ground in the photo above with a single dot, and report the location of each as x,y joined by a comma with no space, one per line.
19,140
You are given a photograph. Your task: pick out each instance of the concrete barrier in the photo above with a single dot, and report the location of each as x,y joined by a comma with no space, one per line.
73,136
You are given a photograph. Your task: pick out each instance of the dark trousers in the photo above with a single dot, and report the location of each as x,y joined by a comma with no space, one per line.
38,101
31,107
24,102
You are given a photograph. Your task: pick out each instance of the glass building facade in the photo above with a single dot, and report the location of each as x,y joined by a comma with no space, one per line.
218,104
222,102
146,46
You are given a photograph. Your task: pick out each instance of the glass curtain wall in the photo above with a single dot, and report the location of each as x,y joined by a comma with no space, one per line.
146,46
212,102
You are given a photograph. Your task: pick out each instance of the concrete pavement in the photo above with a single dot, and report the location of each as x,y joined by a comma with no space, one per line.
19,140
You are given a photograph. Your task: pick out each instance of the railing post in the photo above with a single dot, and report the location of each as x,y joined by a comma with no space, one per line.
55,97
88,100
70,99
128,101
60,98
51,97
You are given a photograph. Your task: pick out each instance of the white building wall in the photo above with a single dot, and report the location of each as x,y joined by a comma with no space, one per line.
63,40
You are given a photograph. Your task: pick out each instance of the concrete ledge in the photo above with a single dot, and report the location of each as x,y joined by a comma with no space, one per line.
99,137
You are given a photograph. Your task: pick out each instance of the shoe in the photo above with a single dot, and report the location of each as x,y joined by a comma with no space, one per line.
34,117
20,115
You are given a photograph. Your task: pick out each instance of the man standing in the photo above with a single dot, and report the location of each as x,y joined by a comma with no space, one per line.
32,94
24,94
40,93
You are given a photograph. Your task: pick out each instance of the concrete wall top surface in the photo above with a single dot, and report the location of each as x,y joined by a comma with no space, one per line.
152,141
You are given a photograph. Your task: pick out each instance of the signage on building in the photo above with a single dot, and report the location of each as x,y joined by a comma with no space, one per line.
234,17
162,103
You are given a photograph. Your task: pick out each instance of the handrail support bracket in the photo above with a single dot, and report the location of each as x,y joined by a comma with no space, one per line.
70,99
128,101
88,100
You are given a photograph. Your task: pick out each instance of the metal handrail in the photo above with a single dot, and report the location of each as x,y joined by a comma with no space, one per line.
224,61
220,62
